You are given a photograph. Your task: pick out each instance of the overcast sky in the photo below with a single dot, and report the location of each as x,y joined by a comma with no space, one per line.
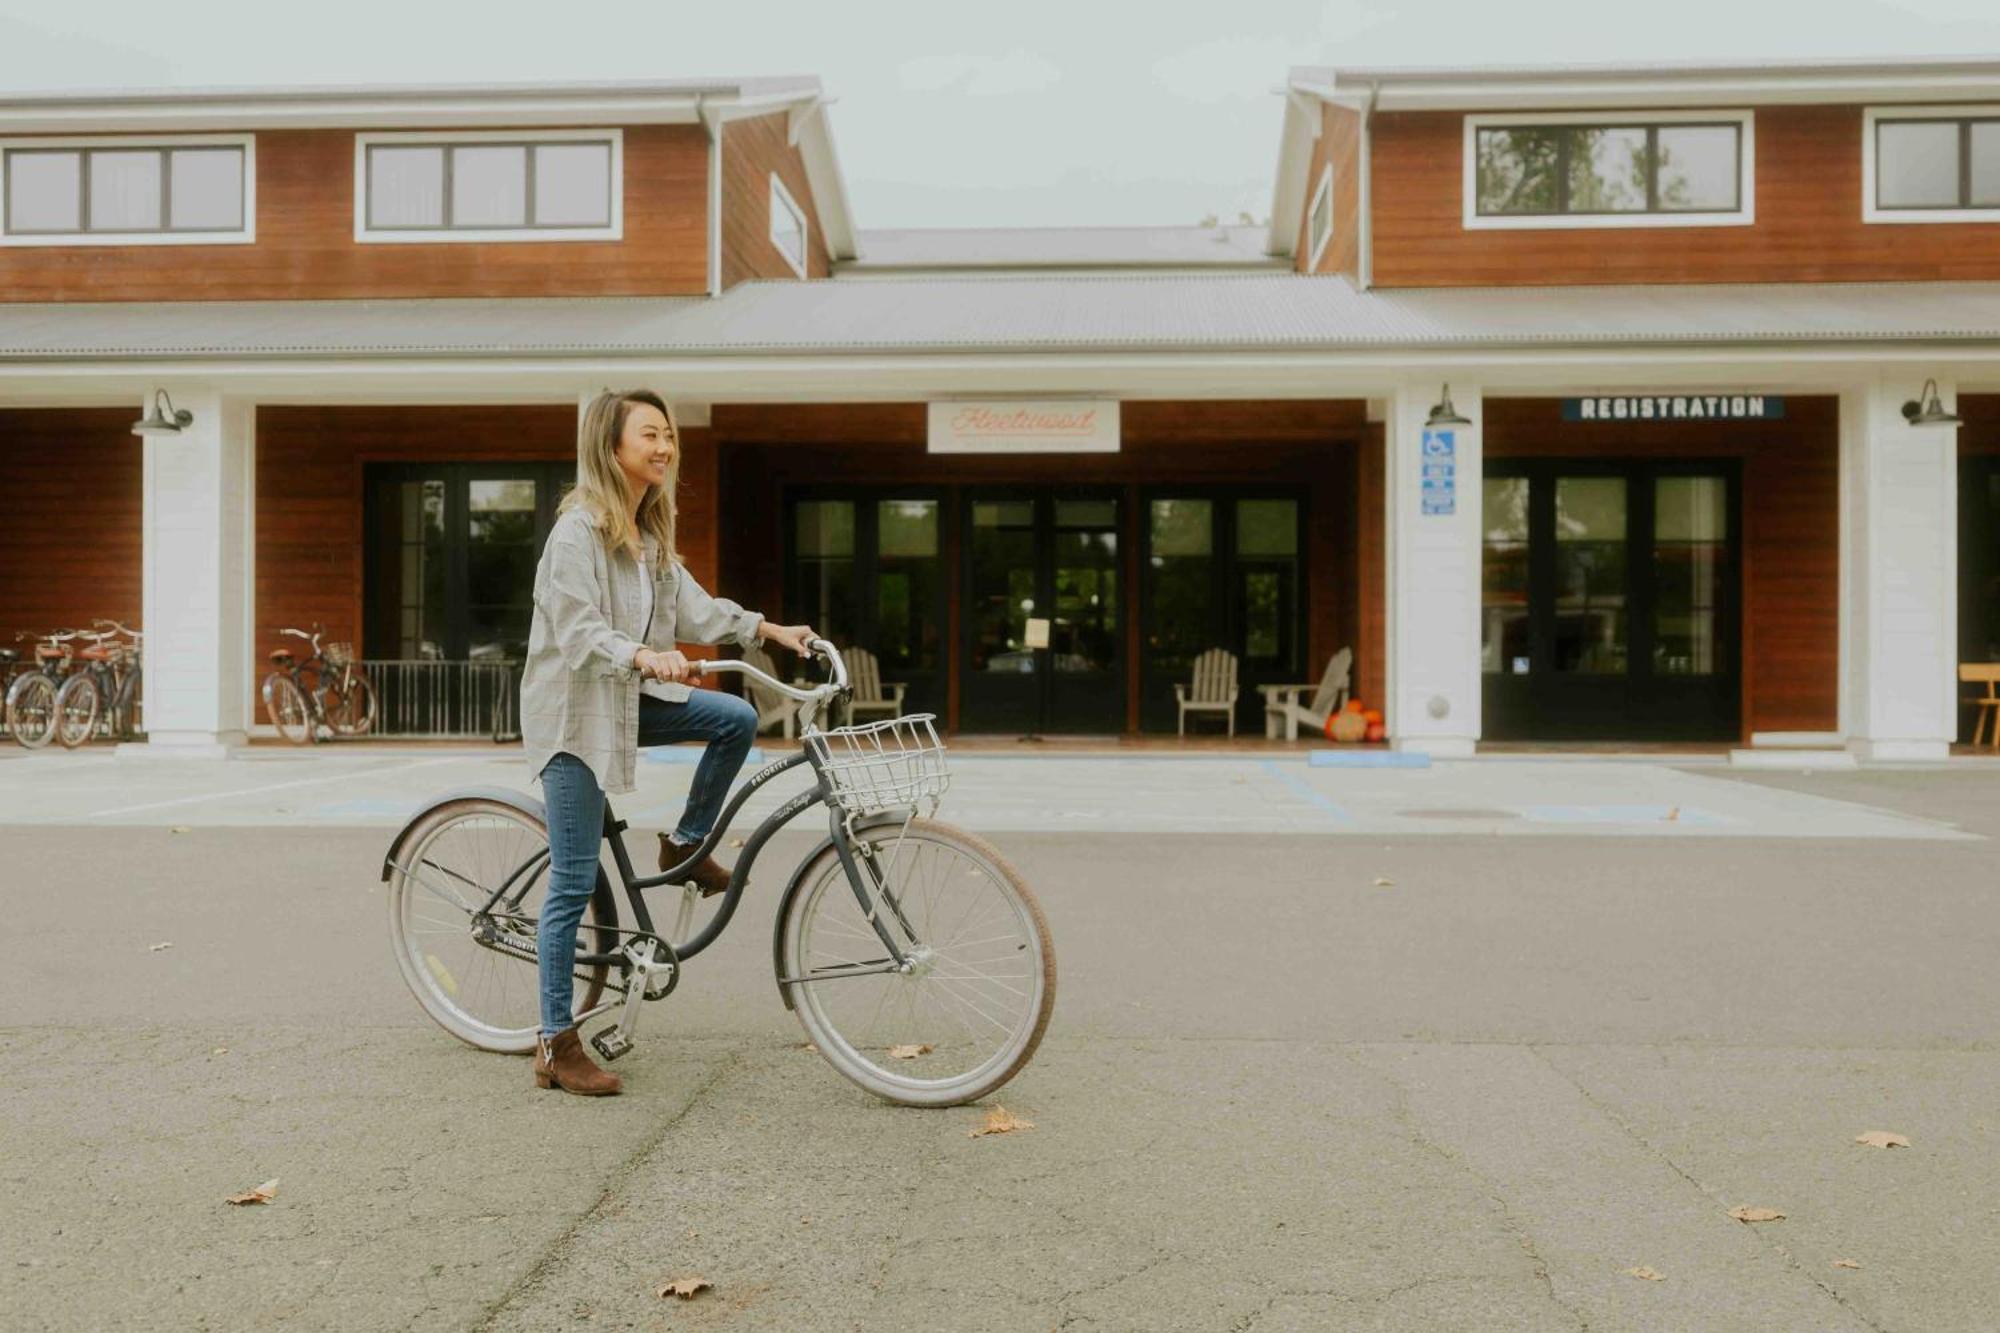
1027,112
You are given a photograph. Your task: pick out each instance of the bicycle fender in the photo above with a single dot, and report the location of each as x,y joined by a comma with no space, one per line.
792,887
520,800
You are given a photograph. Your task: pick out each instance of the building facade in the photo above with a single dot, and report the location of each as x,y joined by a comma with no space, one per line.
1572,402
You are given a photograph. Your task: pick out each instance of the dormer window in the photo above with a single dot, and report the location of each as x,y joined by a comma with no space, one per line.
1319,220
556,185
1645,169
1931,164
788,226
105,191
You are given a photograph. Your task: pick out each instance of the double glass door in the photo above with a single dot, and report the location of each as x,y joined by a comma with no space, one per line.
1609,608
1035,560
452,549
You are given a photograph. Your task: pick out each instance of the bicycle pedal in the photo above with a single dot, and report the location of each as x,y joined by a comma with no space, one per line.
611,1043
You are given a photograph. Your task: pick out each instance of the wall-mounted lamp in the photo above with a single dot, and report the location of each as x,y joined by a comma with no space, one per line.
164,419
1929,412
1444,414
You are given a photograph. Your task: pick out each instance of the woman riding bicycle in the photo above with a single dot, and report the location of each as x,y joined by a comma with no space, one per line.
604,677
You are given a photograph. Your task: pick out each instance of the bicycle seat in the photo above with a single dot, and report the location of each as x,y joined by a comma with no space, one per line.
48,650
97,654
281,657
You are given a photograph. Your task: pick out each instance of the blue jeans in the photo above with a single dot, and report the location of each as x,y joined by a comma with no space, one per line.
575,805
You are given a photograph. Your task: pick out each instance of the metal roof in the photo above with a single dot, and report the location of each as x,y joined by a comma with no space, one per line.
1011,313
961,248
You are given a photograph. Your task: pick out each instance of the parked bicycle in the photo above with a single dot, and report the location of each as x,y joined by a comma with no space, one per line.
103,688
918,962
327,690
31,697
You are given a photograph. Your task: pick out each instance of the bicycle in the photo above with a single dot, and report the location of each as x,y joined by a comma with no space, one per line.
916,959
109,671
342,700
31,699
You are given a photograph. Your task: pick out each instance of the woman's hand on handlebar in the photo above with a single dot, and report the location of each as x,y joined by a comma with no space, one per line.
671,666
798,638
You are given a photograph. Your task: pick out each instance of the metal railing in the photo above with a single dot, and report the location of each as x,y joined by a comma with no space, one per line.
436,700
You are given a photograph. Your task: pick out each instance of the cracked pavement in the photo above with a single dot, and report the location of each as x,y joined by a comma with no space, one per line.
1276,1095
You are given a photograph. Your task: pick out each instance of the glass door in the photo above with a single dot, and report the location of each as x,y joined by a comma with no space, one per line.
1978,570
868,571
1034,556
1608,609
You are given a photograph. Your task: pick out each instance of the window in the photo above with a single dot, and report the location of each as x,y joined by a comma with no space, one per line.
788,226
1655,169
1319,220
1931,164
555,185
198,191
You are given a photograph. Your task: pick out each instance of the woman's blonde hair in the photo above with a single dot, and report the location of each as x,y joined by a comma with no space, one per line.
600,483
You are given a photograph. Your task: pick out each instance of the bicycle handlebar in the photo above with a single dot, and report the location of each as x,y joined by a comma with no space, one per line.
814,695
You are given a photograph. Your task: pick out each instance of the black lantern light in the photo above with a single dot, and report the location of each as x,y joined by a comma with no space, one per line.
164,419
1444,414
1929,412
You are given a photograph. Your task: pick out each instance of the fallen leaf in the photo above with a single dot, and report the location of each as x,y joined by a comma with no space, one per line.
180,828
220,1050
909,1052
808,1046
1000,1120
1845,1263
1382,883
1673,814
1756,1214
805,1221
1882,1138
1647,1273
736,842
163,944
687,1288
264,1193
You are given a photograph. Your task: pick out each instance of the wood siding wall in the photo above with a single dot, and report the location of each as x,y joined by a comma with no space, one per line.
1339,143
305,245
1303,445
71,531
1790,544
1808,228
751,151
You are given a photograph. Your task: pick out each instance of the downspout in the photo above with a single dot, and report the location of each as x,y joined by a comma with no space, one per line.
1365,264
711,119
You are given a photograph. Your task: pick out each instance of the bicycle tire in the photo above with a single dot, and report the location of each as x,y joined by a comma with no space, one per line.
347,702
78,704
285,704
824,890
125,706
31,710
435,983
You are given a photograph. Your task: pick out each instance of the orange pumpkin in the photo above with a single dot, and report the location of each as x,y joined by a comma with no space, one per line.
1353,705
1373,715
1376,731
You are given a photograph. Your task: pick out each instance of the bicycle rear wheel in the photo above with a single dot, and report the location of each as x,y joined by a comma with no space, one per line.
971,1011
286,705
78,703
31,710
347,701
473,971
125,707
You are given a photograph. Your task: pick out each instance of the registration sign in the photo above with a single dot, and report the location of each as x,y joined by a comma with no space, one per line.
1676,407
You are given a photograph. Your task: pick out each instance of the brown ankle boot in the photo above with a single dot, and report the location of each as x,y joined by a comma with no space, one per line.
561,1063
710,875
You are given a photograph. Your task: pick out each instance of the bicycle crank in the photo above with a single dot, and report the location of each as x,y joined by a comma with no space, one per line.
651,972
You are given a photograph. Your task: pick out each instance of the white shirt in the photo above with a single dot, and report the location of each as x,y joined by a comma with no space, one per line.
650,685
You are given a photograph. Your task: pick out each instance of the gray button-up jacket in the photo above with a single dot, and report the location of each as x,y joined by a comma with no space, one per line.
579,692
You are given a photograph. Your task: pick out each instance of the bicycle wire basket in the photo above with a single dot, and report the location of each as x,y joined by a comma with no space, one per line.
337,654
890,765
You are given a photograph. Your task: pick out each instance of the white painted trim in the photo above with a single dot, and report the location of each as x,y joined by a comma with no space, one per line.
1316,245
1746,184
1753,84
247,235
781,197
712,119
364,235
1874,115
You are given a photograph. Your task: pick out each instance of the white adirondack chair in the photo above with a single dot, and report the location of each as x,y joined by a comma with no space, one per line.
1213,689
1284,708
773,708
864,673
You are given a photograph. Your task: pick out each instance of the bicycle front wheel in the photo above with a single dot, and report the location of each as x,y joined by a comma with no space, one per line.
472,967
971,1009
347,701
31,710
78,703
286,705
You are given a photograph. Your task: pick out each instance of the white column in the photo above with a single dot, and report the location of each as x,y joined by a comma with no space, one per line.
197,585
1899,574
1434,572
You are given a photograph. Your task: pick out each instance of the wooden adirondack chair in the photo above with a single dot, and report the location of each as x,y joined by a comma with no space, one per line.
1284,711
773,708
864,673
1988,704
1213,689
